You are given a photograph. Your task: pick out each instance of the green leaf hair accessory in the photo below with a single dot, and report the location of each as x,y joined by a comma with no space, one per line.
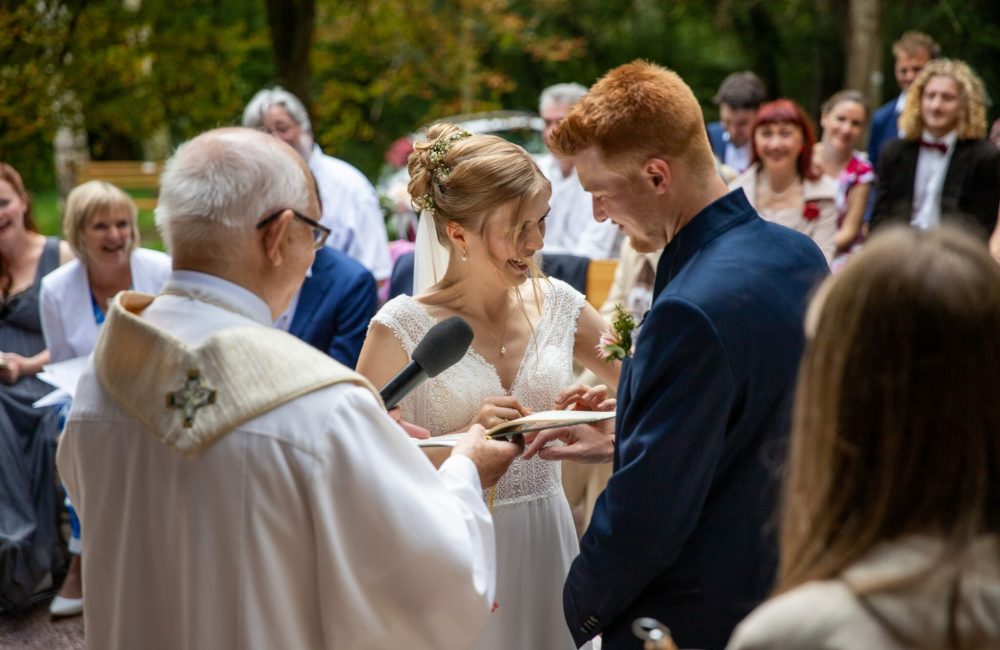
425,203
439,149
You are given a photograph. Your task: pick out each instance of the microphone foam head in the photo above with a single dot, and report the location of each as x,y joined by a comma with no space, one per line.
443,345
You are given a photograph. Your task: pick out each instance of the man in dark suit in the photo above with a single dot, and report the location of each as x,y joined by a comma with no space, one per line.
943,169
682,532
739,97
335,305
911,53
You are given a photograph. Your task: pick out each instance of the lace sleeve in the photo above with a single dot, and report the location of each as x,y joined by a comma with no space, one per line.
405,319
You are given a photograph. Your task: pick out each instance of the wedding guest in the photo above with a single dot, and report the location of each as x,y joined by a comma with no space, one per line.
350,206
332,310
890,518
911,52
240,488
570,228
102,227
843,121
681,533
28,533
944,169
782,183
484,204
738,98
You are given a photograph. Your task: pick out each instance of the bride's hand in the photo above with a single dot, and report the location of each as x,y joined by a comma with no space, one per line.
499,409
585,398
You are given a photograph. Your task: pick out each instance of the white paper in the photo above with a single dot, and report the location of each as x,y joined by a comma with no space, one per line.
64,376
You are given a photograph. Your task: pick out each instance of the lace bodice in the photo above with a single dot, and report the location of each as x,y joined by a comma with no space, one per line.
451,400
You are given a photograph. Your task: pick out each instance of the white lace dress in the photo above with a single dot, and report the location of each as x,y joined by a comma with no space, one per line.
536,539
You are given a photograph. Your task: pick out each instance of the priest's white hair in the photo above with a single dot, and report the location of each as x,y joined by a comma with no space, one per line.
219,185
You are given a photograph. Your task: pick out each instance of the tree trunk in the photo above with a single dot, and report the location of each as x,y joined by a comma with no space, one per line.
292,24
864,51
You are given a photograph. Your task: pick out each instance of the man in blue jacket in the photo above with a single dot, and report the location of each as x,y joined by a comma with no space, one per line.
334,306
683,531
911,52
739,97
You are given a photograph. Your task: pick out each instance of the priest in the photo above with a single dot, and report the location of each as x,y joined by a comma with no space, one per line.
239,488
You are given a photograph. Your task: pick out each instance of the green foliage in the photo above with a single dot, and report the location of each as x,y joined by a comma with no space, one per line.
140,76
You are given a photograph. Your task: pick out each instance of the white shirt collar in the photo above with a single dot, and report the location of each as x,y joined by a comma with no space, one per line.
213,289
900,102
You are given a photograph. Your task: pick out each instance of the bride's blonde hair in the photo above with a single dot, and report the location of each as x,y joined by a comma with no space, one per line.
460,177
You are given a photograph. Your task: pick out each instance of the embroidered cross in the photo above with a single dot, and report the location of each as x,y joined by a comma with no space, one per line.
192,397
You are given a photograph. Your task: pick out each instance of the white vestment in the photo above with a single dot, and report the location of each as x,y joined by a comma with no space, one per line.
315,524
570,228
352,212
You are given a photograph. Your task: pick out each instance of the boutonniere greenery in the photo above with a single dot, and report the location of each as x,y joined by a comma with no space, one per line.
616,343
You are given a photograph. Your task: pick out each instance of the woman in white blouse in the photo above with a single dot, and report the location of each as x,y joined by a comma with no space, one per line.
101,226
782,183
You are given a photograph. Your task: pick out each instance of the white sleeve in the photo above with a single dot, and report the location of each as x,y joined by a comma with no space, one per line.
52,326
370,243
405,554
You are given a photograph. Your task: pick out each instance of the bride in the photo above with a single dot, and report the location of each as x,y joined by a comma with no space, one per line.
485,201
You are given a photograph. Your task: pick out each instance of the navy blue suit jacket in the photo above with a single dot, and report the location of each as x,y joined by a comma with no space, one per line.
885,127
335,306
684,531
717,140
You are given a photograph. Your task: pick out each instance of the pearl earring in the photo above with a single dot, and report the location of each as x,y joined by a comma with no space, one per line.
465,254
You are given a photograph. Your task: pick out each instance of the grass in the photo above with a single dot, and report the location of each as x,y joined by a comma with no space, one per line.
48,215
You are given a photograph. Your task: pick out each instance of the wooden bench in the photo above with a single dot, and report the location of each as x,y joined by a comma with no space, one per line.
600,275
126,174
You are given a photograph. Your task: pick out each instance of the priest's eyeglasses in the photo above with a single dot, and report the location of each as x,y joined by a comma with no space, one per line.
319,231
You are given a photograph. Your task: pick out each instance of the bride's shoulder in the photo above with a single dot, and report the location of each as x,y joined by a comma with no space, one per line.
554,289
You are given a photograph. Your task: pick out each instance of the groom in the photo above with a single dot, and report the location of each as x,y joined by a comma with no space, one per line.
681,533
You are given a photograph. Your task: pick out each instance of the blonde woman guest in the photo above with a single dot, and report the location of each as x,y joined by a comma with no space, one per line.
782,182
102,227
943,169
485,201
843,119
889,528
28,533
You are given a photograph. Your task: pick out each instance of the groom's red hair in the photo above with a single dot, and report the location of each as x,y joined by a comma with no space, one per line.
638,111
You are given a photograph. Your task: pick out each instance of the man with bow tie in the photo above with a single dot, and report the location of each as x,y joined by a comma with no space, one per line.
943,169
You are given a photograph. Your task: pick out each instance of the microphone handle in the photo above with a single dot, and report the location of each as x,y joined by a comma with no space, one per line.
400,386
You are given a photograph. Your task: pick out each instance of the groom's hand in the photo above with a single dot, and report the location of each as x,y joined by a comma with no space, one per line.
591,444
491,457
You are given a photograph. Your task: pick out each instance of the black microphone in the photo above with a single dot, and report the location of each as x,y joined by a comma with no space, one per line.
442,347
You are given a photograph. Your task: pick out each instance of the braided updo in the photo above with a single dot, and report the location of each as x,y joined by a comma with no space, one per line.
461,177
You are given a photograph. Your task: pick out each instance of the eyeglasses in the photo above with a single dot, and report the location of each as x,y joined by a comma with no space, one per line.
319,231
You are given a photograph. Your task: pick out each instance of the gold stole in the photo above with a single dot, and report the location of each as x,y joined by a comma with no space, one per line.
190,397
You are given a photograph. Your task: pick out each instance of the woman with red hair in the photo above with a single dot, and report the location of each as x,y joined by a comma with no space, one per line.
782,183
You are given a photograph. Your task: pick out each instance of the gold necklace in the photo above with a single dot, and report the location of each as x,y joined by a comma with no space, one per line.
502,349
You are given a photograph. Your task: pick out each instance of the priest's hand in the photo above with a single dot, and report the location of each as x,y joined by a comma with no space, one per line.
591,444
491,457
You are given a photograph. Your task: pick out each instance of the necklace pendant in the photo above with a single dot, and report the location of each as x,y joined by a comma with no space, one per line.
503,349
